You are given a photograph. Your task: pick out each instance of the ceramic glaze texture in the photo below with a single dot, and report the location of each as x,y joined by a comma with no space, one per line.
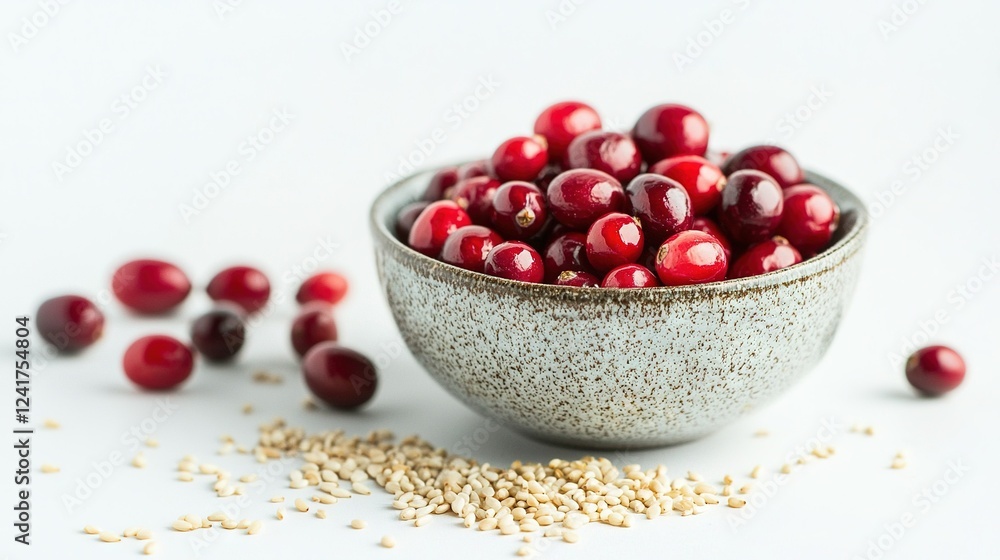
612,368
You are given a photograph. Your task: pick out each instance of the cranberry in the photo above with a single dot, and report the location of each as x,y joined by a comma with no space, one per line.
158,362
406,217
340,377
935,370
243,285
767,256
662,205
690,257
579,196
545,177
475,196
564,121
613,240
566,252
670,130
577,279
468,246
434,225
520,158
313,325
440,182
473,169
630,276
519,210
328,287
515,260
150,286
809,219
751,206
70,323
768,159
706,225
702,179
611,152
219,334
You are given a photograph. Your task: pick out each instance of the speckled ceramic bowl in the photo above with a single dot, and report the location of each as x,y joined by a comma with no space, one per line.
615,368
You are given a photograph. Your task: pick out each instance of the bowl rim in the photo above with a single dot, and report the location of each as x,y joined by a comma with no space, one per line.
398,194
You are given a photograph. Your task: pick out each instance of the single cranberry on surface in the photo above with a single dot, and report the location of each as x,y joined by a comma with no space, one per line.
690,257
433,226
661,204
579,196
150,286
70,323
772,160
243,285
767,256
706,225
406,217
519,210
313,325
577,279
809,218
468,246
327,286
613,240
475,196
338,376
442,180
935,370
567,252
702,179
515,260
751,207
670,130
520,158
611,152
630,276
562,122
219,334
158,362
473,169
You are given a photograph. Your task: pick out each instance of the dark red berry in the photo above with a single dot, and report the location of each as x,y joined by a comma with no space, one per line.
809,218
611,152
520,159
577,279
70,323
767,256
406,217
935,370
579,196
670,130
702,180
519,210
630,276
468,246
219,334
313,325
434,225
661,204
706,225
473,169
158,362
328,287
515,260
751,207
475,196
150,286
772,160
562,122
566,252
440,182
613,240
690,257
545,177
340,377
243,285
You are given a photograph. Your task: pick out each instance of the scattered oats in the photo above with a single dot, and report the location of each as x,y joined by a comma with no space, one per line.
761,433
182,525
277,499
243,524
301,505
821,453
280,514
298,484
49,469
226,492
238,490
226,448
206,524
526,538
728,479
151,548
358,524
755,473
208,468
855,428
388,542
898,463
144,534
694,477
870,431
570,536
130,532
229,524
152,442
786,468
525,551
193,520
139,461
727,490
746,488
248,478
360,488
736,502
421,521
310,404
108,536
218,516
91,530
339,493
900,455
321,513
267,377
247,408
254,527
185,477
187,466
51,424
801,460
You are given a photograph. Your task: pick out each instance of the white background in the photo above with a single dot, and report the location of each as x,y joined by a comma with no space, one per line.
888,95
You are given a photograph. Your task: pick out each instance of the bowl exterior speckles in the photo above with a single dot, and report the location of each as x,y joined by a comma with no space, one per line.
613,368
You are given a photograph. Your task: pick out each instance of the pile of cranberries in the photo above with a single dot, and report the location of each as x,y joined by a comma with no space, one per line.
576,205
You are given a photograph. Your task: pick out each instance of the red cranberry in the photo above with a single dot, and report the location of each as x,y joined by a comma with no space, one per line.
313,325
519,210
218,335
70,323
440,182
150,286
935,370
158,362
406,217
243,285
515,260
473,169
809,219
690,257
751,206
577,279
475,196
520,159
579,196
328,287
468,246
566,252
630,276
706,225
434,225
661,204
767,256
702,180
340,377
564,121
611,152
768,159
613,240
670,130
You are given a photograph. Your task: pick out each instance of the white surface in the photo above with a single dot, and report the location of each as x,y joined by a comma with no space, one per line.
354,120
